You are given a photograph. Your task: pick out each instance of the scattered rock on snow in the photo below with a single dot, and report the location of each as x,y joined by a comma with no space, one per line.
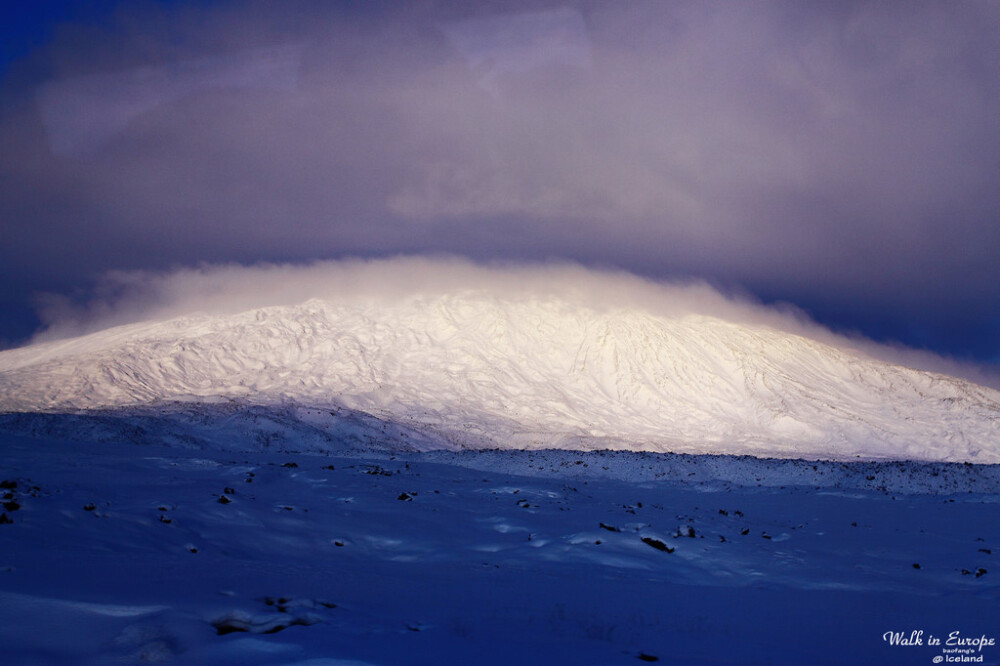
238,621
657,544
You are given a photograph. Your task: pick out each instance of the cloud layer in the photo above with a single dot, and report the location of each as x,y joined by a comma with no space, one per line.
840,155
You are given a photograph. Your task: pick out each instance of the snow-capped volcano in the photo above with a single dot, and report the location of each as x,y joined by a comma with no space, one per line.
480,368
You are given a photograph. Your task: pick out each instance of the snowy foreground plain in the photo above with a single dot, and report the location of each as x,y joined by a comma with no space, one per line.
125,552
470,478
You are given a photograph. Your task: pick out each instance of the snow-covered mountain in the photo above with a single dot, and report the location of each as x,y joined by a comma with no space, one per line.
477,369
473,368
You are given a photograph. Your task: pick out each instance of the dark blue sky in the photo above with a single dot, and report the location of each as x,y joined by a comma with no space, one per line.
841,157
28,25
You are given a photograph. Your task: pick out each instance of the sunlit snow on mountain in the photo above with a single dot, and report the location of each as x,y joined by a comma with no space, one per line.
473,357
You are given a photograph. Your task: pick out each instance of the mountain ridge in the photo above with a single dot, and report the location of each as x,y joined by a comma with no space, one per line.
476,369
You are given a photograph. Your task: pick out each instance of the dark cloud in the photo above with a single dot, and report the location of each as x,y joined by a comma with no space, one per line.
842,156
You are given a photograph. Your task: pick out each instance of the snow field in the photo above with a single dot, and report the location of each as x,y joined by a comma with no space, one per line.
139,552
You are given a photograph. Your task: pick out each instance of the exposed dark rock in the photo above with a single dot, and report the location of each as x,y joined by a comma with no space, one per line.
657,544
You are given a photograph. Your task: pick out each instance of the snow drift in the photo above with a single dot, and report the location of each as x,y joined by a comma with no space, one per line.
474,357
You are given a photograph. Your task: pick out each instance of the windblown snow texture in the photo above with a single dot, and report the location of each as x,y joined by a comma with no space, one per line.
475,369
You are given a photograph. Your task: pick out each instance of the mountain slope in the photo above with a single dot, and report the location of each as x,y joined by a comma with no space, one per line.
471,368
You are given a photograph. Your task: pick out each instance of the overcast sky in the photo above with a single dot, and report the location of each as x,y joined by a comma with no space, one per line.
843,157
